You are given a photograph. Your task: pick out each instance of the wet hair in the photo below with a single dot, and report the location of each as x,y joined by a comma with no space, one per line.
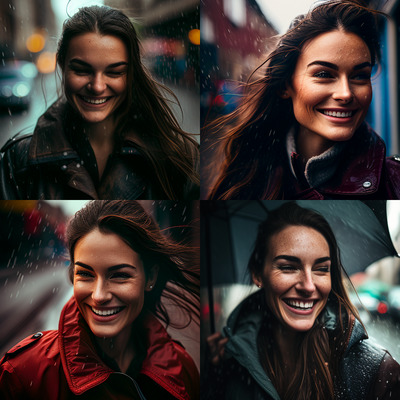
172,152
319,353
252,139
178,274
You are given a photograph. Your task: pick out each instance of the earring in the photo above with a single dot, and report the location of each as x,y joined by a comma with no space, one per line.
151,286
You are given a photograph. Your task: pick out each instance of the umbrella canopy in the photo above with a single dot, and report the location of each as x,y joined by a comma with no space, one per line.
229,230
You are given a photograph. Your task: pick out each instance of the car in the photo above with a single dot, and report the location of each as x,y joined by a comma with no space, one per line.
16,83
394,302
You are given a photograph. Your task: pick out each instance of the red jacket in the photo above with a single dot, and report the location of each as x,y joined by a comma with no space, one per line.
63,364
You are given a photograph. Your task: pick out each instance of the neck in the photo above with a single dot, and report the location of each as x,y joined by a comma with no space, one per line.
310,144
100,133
120,348
287,341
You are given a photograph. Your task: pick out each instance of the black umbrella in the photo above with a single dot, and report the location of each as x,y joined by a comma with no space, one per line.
229,229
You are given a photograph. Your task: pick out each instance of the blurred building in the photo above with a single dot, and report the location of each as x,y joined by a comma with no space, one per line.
19,21
234,34
385,107
169,32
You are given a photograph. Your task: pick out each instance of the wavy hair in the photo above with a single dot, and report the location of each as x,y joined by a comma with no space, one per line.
172,152
252,139
319,353
178,274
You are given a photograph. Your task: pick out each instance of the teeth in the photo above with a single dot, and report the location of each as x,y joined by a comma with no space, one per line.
300,304
107,312
93,101
339,114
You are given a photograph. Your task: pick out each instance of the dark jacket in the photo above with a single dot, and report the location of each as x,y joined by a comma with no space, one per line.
366,371
58,162
64,364
362,171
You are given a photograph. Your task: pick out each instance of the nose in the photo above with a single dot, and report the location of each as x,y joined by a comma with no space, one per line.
97,84
101,293
343,92
306,283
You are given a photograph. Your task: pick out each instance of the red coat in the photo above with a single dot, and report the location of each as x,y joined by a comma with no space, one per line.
63,364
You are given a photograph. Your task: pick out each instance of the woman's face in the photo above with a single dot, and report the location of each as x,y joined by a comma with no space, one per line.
109,283
331,86
296,276
95,75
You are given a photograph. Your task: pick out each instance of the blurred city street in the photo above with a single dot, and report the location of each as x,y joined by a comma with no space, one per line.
31,298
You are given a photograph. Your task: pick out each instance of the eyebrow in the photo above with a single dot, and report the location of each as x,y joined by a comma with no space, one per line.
298,261
113,268
336,68
85,64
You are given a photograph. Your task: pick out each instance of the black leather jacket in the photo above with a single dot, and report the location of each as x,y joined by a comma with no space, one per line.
366,370
57,162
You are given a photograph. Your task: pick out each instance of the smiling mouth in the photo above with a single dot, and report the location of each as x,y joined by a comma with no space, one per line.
300,305
106,313
95,101
338,114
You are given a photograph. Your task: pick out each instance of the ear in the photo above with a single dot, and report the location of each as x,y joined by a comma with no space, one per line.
284,93
152,278
257,280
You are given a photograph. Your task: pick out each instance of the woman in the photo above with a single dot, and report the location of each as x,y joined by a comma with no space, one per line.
109,343
113,136
299,132
299,336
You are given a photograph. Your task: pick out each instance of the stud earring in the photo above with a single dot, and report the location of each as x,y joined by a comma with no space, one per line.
151,286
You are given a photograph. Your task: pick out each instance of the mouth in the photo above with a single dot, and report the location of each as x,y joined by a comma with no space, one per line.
338,113
94,101
105,314
300,305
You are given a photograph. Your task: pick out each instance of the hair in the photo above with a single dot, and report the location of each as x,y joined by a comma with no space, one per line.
252,139
178,274
319,354
172,152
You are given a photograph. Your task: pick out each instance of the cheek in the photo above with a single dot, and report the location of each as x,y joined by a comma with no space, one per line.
74,83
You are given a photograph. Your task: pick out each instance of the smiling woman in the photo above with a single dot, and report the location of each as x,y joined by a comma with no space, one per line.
299,336
112,341
300,130
112,135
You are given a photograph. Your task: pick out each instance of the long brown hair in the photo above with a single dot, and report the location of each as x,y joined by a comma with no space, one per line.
252,139
318,353
178,274
172,152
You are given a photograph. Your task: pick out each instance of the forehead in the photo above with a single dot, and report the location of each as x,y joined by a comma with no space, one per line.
338,47
104,249
95,48
298,240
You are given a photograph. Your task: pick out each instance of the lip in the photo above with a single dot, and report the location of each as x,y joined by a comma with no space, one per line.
93,105
298,311
337,119
105,318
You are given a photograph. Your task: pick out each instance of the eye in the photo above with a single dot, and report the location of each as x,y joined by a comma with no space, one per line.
323,74
362,76
324,268
120,275
84,274
116,73
287,268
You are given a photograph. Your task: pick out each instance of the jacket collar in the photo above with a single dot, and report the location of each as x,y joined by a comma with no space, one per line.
245,322
84,369
358,169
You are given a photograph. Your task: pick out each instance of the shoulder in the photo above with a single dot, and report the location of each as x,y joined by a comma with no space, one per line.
387,381
29,364
18,146
31,347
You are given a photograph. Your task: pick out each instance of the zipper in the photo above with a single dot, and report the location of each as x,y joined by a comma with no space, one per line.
139,392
